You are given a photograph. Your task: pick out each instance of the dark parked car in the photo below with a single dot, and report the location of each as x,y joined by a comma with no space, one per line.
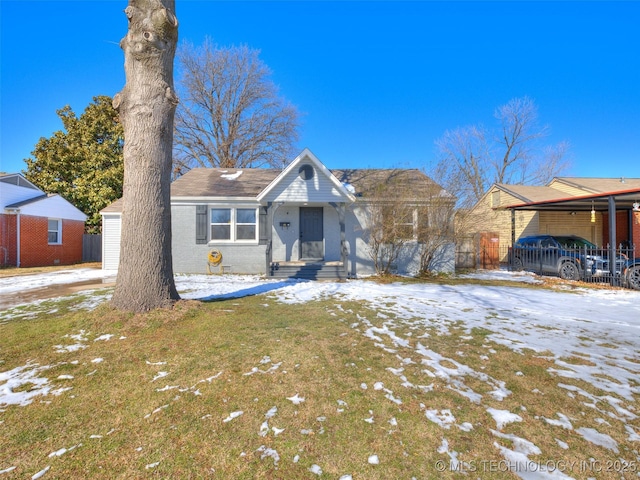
631,274
567,256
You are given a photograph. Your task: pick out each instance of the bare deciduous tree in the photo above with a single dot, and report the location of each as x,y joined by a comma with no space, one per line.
388,232
473,158
230,114
407,211
147,106
435,229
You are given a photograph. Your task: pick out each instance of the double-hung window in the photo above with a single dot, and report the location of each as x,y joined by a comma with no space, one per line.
246,224
234,224
404,223
55,231
399,222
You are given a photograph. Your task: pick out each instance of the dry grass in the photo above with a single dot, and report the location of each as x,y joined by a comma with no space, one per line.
125,424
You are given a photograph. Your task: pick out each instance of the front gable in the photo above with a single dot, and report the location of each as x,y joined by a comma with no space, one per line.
305,180
15,188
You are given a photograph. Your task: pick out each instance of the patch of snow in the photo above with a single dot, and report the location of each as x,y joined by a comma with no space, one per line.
597,438
296,399
633,435
444,418
69,348
503,417
233,415
315,469
518,459
41,473
19,377
272,412
105,337
159,375
454,463
231,176
269,453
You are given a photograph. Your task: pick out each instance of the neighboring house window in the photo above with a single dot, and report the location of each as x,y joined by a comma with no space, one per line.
234,224
55,231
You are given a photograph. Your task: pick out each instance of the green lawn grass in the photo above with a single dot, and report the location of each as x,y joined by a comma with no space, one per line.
250,355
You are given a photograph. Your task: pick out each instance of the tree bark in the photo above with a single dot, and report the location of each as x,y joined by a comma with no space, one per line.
147,108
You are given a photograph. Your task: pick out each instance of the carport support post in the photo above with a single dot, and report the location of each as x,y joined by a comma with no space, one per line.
612,241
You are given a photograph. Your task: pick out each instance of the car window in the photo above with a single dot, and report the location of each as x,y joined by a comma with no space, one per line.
527,242
548,243
574,242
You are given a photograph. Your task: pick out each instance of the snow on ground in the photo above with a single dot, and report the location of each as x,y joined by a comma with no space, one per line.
21,283
599,326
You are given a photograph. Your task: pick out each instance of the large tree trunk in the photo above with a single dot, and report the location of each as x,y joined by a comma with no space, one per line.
147,107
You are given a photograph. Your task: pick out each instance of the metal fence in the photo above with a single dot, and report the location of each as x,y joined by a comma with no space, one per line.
584,264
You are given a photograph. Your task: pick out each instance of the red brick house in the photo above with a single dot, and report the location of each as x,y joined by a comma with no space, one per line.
37,229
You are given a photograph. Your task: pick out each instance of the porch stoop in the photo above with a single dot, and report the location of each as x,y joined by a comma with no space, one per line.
308,270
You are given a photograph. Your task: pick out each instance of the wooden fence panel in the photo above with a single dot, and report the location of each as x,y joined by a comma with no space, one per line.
91,248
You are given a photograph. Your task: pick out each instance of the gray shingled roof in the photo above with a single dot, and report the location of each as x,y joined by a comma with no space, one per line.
403,182
223,182
602,185
532,193
232,182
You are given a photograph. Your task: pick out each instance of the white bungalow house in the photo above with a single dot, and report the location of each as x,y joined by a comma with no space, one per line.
304,221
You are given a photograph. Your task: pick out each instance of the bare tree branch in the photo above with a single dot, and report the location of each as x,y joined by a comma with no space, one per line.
231,115
471,159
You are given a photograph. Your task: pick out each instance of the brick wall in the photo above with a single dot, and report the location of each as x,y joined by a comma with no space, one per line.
7,239
35,250
636,232
622,228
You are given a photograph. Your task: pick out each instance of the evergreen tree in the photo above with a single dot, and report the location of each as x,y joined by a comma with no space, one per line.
83,163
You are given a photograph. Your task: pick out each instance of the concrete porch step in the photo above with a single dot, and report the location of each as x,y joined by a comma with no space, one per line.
308,270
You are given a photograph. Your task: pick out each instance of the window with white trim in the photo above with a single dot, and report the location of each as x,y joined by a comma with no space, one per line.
234,224
55,231
399,222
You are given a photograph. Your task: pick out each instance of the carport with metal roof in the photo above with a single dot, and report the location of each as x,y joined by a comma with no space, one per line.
603,202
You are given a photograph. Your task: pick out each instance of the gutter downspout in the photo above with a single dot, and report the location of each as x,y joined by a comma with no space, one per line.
16,212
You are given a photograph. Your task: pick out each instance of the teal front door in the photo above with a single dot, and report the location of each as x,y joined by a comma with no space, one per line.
311,233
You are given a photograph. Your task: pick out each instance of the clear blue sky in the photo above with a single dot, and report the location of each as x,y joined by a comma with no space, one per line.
377,82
